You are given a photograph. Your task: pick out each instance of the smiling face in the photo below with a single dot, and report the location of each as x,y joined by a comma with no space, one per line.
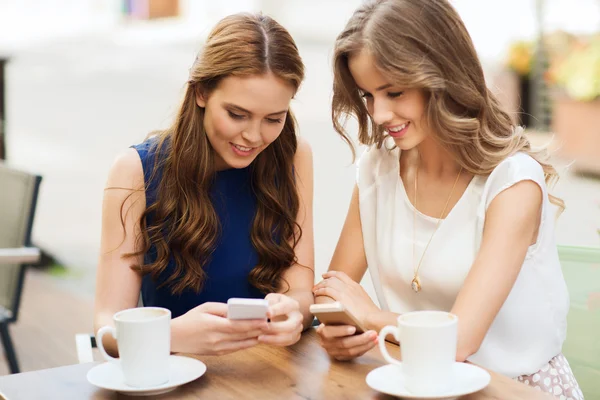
400,111
244,115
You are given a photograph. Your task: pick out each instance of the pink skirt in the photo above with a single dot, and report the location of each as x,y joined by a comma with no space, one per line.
555,378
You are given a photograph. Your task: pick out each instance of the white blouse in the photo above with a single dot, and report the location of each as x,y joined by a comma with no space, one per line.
531,326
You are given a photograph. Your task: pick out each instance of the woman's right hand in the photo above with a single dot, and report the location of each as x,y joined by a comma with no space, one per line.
340,342
206,330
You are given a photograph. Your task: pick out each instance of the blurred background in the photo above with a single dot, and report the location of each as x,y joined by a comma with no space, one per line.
84,79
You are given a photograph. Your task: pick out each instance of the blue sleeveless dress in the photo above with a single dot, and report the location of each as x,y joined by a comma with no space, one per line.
234,257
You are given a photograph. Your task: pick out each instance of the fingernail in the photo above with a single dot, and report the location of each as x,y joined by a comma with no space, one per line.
351,330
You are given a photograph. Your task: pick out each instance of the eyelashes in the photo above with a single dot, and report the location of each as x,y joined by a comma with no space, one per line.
240,117
391,95
235,116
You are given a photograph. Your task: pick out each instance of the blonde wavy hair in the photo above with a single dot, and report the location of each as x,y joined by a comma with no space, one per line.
425,45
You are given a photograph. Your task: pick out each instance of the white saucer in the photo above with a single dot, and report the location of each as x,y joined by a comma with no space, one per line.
468,379
181,371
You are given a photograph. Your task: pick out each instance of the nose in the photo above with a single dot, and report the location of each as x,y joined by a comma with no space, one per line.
382,112
252,134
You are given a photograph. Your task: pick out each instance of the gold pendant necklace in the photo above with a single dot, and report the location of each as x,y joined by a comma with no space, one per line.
415,284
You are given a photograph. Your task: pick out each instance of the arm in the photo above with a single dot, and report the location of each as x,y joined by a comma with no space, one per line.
342,283
301,276
350,260
349,255
289,308
511,225
117,285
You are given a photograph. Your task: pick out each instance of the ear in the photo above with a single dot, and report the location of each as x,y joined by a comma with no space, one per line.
200,97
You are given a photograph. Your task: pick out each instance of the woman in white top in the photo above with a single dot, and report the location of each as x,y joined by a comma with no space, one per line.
451,209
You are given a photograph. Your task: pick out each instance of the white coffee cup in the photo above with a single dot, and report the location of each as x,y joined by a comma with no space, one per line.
428,346
144,342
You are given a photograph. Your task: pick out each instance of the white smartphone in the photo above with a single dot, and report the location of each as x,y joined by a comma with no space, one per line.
335,314
238,308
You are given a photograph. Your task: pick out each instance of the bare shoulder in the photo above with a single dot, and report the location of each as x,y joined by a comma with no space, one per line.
126,171
303,152
524,196
519,206
303,166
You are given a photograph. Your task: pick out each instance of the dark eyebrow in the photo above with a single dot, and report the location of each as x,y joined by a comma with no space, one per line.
383,87
238,108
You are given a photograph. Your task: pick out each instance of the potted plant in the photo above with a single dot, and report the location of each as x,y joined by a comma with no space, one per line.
576,103
520,62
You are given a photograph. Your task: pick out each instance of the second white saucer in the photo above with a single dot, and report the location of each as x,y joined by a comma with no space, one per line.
468,379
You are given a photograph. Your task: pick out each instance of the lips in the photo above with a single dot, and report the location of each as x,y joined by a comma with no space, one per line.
242,150
397,131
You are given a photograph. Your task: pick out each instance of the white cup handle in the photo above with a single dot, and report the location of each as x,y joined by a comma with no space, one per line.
388,330
100,345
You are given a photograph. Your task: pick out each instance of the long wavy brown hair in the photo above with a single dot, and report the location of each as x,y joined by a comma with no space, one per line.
425,45
184,225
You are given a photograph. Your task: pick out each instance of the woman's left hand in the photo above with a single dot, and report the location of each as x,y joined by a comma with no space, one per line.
340,287
285,327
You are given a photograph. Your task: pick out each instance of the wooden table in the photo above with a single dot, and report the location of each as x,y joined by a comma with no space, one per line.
303,371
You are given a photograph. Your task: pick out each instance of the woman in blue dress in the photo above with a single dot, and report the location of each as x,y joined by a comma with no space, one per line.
218,205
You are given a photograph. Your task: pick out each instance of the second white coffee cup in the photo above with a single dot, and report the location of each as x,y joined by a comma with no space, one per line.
428,341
